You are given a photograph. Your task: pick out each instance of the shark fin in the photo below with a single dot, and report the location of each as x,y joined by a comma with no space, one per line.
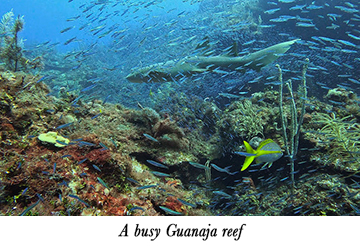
204,47
233,52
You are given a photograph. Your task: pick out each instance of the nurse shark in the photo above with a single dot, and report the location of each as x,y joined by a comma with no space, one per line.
175,69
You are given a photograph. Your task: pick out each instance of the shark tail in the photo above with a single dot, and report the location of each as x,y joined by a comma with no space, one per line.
263,57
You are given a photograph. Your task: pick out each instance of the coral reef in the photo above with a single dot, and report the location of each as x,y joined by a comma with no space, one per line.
94,170
103,168
241,120
11,45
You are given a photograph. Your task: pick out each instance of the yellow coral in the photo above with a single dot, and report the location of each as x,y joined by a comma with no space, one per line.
54,138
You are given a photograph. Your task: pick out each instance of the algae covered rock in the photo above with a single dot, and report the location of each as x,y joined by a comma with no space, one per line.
54,138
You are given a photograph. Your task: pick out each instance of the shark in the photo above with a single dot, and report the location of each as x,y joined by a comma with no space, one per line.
173,70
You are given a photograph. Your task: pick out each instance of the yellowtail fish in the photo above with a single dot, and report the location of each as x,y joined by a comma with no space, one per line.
268,151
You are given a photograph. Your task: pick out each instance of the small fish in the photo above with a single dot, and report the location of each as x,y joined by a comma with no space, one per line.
132,180
40,197
112,140
61,143
65,156
159,174
103,145
150,137
102,182
29,208
136,207
69,41
96,116
223,194
66,29
54,168
41,79
145,187
83,160
197,165
156,164
170,211
88,88
97,168
268,151
64,126
106,99
79,199
24,191
187,203
86,143
223,170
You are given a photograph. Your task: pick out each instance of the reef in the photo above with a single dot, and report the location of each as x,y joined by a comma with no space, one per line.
90,158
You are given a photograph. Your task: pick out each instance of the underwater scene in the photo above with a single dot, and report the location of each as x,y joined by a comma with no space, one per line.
179,107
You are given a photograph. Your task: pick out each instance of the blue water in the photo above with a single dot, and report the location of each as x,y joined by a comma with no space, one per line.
44,19
106,40
146,28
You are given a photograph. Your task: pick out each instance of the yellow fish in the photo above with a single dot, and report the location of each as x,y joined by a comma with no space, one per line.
268,151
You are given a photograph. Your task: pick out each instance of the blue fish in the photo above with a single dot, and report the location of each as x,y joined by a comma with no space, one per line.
102,182
96,116
106,99
83,160
79,199
170,211
197,165
41,79
134,208
112,140
40,197
97,168
146,187
187,203
88,88
157,164
132,180
24,191
64,126
150,137
29,208
103,145
86,143
62,143
159,174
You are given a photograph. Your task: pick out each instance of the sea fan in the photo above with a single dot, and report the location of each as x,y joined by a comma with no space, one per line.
343,136
6,20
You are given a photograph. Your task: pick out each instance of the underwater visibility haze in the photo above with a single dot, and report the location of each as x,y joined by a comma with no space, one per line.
181,107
